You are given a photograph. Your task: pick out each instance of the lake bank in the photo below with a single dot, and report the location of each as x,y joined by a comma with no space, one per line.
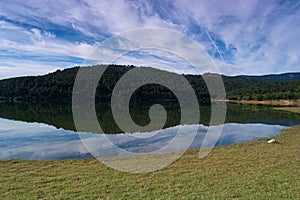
247,170
289,109
267,102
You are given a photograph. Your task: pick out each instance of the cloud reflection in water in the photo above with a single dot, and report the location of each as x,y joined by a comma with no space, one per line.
36,141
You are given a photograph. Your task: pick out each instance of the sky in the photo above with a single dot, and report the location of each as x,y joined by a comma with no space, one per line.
242,37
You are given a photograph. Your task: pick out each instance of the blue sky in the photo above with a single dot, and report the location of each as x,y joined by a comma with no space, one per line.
242,37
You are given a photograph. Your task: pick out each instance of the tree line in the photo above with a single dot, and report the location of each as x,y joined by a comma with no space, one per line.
58,86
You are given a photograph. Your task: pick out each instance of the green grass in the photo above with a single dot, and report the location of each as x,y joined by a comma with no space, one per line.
290,109
254,170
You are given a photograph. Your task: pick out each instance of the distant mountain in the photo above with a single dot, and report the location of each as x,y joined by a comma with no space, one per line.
58,86
275,77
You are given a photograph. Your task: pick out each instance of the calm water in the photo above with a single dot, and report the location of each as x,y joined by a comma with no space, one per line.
46,131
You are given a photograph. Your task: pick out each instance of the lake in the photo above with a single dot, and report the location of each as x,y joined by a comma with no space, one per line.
43,131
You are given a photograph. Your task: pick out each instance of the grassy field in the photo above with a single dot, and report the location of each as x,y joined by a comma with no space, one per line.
254,170
290,109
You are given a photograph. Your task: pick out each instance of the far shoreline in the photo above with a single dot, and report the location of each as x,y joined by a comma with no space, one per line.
280,102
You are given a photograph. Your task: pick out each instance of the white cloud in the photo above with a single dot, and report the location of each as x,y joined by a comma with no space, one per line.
257,29
37,42
33,52
166,61
24,68
263,33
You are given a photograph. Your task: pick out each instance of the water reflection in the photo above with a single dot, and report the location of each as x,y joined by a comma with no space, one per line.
42,142
46,130
60,115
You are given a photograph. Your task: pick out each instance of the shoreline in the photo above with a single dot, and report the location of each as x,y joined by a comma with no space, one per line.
242,170
289,109
226,170
281,102
188,151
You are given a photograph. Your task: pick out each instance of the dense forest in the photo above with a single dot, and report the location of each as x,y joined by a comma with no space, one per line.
267,91
275,77
58,86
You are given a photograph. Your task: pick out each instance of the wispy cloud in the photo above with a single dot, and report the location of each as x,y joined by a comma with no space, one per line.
165,61
243,37
33,51
257,30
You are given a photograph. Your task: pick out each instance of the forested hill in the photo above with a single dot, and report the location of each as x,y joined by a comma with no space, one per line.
58,86
275,77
